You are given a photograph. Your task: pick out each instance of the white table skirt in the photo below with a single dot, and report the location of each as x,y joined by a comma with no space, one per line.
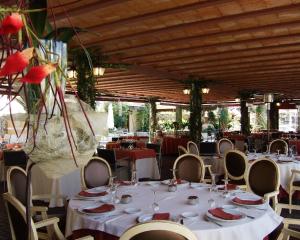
56,178
248,229
147,168
284,168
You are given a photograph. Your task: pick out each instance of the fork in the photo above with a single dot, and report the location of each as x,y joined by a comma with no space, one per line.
211,221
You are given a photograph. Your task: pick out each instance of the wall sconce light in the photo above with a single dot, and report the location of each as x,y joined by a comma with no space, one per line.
237,100
186,91
278,104
205,90
98,71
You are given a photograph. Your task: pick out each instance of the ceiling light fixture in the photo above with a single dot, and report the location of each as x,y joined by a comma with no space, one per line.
186,91
205,90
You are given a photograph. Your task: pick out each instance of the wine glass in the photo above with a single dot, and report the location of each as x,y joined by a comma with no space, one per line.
278,154
155,205
213,188
113,188
225,193
134,179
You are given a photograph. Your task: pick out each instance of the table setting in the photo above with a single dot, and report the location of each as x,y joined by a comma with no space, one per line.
208,210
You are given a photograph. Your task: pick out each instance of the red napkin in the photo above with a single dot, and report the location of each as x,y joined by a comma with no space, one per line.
230,187
178,181
101,209
88,194
123,183
161,216
248,202
219,213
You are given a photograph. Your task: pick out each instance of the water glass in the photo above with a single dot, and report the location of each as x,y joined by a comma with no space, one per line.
134,179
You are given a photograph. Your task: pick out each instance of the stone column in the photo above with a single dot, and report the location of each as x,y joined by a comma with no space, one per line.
245,122
195,125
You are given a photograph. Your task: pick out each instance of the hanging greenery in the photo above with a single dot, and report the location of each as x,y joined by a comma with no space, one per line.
245,121
85,77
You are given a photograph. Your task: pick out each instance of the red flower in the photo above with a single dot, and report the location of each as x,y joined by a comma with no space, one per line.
11,24
16,62
38,73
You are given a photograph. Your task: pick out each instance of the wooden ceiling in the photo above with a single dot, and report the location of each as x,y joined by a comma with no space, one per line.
237,44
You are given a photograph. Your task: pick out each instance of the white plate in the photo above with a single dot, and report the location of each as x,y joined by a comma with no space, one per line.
105,199
81,210
253,198
189,214
132,210
183,182
227,210
152,183
199,185
145,218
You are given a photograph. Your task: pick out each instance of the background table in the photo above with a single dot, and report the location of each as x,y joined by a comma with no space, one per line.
56,178
175,203
143,160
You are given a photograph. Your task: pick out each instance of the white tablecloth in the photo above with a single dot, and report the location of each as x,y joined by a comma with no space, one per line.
248,229
147,168
284,168
56,178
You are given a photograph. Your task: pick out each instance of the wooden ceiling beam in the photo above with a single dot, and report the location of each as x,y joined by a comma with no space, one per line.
239,59
145,84
155,15
198,38
87,8
283,48
196,24
293,38
238,66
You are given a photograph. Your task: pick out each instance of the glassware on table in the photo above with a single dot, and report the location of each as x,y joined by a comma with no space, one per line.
278,154
113,189
134,178
225,192
213,187
155,205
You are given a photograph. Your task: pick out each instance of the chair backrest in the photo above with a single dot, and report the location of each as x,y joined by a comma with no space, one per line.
181,150
192,148
16,212
189,167
224,145
15,158
109,155
263,177
278,144
95,173
235,164
16,179
165,230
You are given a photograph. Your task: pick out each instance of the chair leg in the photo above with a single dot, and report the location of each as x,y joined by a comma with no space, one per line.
290,199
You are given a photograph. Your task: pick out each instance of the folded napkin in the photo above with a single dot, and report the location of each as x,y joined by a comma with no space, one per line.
230,187
219,213
101,209
161,216
123,183
88,194
248,201
178,181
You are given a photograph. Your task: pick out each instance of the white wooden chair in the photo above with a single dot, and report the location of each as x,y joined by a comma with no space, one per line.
18,223
223,146
189,167
263,179
181,150
164,230
278,144
192,148
293,185
95,173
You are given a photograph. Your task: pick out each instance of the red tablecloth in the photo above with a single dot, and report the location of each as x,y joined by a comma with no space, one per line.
295,143
135,154
170,145
113,145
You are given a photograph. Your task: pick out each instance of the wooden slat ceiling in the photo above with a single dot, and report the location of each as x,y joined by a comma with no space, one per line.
237,44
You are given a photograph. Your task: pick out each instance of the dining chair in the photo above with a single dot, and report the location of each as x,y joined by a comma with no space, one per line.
165,230
192,148
278,144
189,167
263,179
181,150
293,185
287,221
95,173
235,163
17,185
16,212
224,145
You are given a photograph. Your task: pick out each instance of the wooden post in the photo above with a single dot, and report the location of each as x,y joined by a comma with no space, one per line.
179,114
274,116
153,118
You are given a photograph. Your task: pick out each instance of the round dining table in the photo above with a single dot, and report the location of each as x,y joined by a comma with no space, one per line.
257,221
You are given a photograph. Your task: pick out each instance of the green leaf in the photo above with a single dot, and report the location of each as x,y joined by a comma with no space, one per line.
38,19
63,34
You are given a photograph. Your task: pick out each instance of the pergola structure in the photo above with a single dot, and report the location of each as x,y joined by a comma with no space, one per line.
235,44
